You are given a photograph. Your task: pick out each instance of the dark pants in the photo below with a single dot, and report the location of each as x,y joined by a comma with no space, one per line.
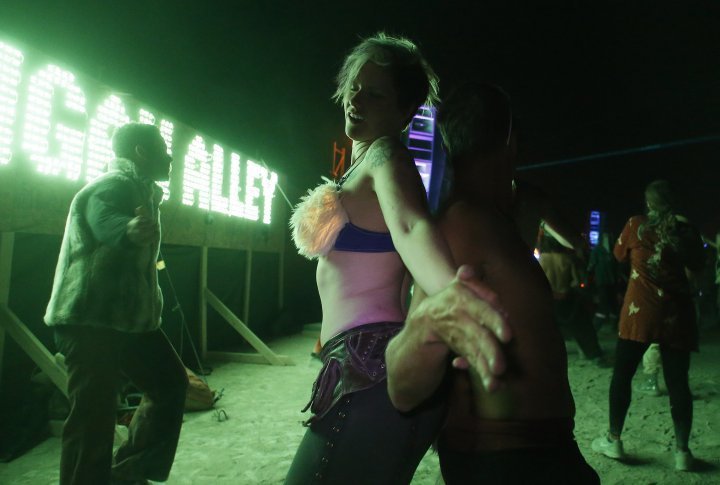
97,359
364,440
676,366
575,321
558,465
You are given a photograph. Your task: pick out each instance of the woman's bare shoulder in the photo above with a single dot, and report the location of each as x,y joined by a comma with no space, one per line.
387,149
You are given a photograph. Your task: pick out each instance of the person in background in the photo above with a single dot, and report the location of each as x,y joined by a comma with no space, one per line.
572,309
602,270
521,431
367,232
658,308
105,309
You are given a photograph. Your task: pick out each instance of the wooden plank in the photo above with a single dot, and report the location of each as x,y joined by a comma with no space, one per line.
281,280
7,243
33,347
248,285
203,301
247,358
242,329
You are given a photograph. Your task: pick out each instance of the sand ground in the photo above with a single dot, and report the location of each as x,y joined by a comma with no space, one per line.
256,443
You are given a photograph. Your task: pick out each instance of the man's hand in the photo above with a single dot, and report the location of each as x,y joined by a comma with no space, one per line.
141,229
466,317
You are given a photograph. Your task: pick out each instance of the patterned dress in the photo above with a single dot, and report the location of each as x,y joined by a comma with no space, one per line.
658,304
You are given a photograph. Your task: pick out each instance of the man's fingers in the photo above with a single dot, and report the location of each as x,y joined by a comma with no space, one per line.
493,317
484,314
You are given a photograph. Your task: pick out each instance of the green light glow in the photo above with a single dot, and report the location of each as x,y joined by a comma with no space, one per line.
110,113
10,61
61,139
54,147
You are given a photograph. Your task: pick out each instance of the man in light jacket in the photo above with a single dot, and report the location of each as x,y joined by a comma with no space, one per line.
105,309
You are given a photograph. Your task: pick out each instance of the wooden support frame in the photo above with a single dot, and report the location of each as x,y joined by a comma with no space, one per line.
7,243
13,326
264,354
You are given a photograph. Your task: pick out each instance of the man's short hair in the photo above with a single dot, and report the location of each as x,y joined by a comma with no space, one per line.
475,118
126,137
415,81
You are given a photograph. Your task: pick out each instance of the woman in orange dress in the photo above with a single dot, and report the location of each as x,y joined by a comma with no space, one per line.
658,308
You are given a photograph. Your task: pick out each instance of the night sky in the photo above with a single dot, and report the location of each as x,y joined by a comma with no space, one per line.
258,75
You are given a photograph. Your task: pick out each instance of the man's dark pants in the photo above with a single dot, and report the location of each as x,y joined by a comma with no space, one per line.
97,360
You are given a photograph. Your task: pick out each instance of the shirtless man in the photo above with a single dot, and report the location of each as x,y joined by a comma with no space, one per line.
522,430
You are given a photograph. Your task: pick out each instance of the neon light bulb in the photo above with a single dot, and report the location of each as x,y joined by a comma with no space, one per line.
146,117
53,146
196,178
269,184
110,114
219,202
10,61
237,207
253,171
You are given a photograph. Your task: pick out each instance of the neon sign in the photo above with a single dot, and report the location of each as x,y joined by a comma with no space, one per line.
59,125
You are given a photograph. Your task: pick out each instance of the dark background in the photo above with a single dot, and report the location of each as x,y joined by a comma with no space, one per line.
258,75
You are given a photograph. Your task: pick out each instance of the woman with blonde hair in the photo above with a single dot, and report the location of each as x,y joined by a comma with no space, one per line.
367,232
658,308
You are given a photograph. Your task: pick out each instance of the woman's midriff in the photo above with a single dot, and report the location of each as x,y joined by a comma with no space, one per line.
358,288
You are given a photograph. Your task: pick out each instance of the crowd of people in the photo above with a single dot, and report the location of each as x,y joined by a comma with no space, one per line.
435,329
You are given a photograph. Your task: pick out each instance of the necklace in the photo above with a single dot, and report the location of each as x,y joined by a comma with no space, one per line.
353,166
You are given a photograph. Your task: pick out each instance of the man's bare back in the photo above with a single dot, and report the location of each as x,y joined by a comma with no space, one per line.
535,384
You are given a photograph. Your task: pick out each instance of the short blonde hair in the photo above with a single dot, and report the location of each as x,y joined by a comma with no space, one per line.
416,83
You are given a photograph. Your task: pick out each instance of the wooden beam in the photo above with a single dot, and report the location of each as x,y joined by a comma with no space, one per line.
203,301
248,285
33,348
265,351
281,280
7,243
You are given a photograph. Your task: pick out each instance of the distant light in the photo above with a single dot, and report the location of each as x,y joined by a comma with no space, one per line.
536,253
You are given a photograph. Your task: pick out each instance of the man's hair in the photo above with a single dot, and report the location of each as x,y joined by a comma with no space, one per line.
475,117
415,81
126,137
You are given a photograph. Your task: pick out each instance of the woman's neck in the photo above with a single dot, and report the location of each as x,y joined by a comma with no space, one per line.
359,149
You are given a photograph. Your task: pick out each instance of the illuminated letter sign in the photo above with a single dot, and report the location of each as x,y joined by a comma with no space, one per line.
53,146
67,125
10,61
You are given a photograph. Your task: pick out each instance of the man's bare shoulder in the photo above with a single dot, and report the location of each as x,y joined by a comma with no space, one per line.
462,215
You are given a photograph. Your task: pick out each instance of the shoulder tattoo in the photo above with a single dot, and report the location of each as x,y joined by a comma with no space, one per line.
381,152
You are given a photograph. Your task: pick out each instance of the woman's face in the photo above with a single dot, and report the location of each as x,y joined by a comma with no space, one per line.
371,105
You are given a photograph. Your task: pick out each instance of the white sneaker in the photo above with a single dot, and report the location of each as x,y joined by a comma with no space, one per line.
609,447
683,460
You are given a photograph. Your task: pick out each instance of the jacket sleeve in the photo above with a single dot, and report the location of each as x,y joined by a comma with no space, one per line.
108,211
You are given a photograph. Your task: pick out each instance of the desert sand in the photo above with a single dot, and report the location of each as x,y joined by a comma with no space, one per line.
251,436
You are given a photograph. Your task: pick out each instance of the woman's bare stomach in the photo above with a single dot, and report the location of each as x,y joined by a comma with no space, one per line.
359,288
